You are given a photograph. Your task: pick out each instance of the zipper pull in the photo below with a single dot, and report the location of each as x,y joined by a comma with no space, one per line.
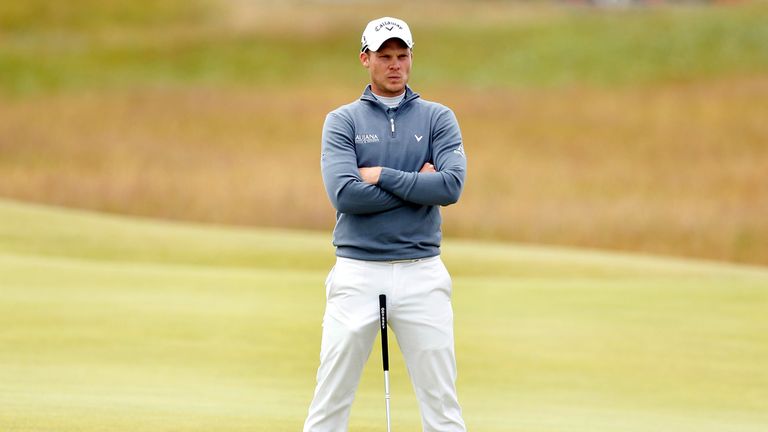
392,122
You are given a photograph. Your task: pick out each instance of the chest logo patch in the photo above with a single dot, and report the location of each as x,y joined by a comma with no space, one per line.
366,138
418,138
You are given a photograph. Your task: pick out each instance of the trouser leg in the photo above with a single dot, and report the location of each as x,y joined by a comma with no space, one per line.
350,326
422,320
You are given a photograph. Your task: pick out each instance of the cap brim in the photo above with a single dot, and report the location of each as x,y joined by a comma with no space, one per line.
375,47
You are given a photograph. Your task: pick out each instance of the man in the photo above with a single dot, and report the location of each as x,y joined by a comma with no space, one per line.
389,160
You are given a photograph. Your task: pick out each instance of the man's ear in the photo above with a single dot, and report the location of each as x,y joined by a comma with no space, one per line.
364,59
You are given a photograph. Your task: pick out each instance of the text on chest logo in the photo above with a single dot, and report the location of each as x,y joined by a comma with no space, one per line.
418,138
366,138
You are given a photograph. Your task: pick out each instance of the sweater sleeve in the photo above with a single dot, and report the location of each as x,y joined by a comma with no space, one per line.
346,189
442,187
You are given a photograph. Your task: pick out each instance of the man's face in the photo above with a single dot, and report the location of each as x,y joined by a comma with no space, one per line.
389,67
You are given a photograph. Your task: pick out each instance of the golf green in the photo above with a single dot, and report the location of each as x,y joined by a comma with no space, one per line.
112,323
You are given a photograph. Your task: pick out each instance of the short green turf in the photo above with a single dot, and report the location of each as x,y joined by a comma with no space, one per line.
117,324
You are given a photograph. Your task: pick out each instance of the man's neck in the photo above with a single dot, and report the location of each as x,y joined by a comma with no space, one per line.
390,101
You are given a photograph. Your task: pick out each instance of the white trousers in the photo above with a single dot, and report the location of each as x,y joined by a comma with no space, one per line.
419,313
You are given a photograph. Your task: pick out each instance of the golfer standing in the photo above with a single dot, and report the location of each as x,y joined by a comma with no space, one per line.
389,161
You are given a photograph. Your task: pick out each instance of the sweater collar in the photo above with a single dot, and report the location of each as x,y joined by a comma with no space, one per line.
409,96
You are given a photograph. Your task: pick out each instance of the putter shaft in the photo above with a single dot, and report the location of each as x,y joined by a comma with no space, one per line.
385,352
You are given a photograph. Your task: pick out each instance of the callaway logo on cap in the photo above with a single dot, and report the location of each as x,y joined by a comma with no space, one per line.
381,29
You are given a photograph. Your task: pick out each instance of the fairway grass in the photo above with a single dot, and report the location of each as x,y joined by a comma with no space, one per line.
44,48
123,324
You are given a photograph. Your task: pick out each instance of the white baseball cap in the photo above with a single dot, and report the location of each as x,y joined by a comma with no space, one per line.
381,29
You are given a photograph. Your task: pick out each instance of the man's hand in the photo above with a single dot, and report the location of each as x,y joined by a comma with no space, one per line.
370,175
427,168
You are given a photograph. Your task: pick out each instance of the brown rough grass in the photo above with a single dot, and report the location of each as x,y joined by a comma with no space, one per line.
675,169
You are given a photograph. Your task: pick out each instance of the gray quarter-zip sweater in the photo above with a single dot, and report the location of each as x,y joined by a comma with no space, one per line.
398,218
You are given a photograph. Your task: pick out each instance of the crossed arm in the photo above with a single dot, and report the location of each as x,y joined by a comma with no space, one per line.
366,190
346,190
439,181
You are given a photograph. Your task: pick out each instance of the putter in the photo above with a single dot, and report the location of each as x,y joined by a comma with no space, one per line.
384,350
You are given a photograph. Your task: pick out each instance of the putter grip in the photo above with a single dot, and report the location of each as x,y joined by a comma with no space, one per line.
383,322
